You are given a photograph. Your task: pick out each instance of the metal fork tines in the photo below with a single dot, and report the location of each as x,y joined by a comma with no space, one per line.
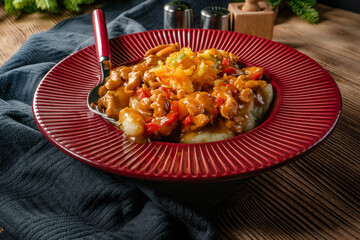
104,116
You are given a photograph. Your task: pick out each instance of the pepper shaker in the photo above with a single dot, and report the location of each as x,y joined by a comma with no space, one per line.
178,14
215,18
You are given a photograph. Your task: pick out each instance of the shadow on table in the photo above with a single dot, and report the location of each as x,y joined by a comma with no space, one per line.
309,199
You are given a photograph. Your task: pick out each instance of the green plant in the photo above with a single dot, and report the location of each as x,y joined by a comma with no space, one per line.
302,8
13,7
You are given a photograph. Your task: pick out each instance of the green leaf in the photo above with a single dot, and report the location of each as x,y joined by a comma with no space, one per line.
73,5
13,7
305,10
10,8
309,3
274,2
20,4
49,5
304,3
29,8
85,1
311,15
181,56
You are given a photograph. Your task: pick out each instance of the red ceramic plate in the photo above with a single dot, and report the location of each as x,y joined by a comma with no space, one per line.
305,111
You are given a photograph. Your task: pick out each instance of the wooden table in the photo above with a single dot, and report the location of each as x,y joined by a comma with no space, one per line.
318,196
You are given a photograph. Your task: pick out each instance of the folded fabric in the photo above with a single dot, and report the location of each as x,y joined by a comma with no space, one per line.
45,194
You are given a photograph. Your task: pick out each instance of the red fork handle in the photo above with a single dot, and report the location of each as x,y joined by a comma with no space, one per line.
101,35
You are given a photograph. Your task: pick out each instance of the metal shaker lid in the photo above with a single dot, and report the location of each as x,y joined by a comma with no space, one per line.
178,14
215,18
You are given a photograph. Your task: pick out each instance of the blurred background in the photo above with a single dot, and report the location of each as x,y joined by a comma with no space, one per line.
21,18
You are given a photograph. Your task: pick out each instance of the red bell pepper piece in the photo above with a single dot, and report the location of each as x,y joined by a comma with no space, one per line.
169,118
214,112
151,127
166,92
225,62
174,106
188,120
229,71
219,101
142,93
256,75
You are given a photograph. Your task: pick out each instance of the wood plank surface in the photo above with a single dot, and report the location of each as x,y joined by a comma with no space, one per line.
316,197
15,30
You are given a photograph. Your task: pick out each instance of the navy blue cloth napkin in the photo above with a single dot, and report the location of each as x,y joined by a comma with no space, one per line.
45,194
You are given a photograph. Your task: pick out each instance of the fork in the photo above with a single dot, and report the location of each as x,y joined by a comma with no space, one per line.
104,56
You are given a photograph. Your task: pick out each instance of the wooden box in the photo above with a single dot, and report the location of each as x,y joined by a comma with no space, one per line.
259,23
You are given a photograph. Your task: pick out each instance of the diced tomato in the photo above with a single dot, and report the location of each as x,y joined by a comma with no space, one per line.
229,71
188,120
143,93
256,75
222,84
225,62
219,101
232,89
169,118
151,127
149,120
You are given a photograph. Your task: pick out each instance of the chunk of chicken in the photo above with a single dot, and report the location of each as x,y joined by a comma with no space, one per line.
134,81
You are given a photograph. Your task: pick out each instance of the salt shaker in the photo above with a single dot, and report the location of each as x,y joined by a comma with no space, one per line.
215,18
178,14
